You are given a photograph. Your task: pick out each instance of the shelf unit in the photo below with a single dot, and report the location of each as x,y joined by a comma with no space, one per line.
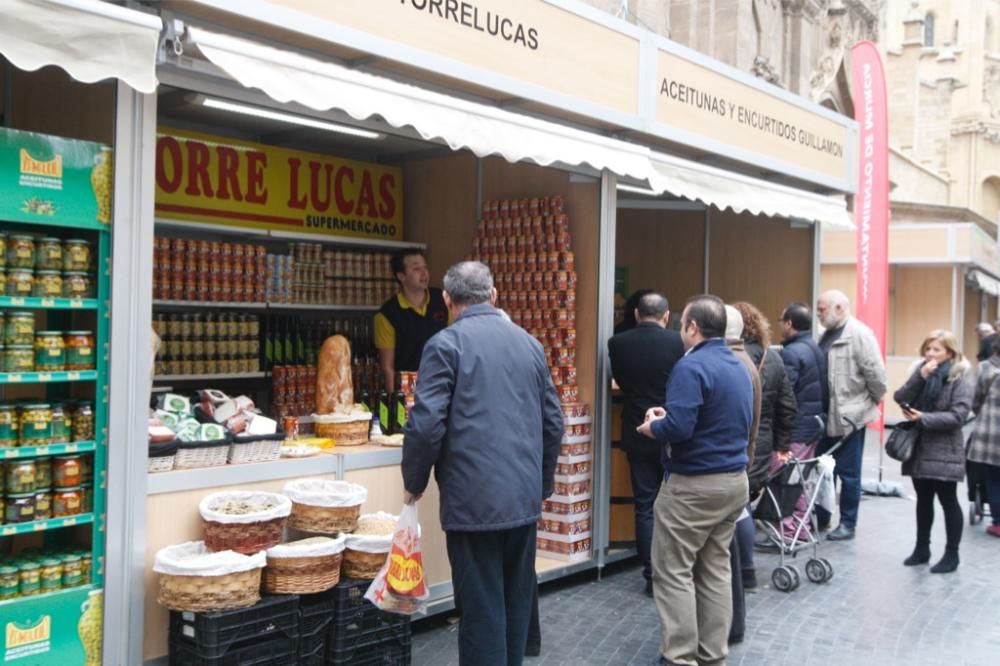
76,207
250,307
290,236
209,378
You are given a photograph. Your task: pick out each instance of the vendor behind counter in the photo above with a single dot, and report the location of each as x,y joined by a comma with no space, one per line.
407,321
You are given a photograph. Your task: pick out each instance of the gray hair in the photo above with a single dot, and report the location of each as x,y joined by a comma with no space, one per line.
653,306
835,297
469,283
983,327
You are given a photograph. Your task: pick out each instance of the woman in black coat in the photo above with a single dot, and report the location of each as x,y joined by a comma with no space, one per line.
937,399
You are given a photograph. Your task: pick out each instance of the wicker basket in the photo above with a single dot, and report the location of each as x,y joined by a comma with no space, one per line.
302,575
209,593
194,579
342,429
201,454
256,449
246,533
324,519
161,464
359,564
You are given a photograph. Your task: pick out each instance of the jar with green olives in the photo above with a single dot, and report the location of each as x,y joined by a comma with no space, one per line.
60,424
76,255
36,424
18,358
48,254
76,285
72,571
83,422
19,328
50,351
48,284
20,251
51,574
8,425
43,472
20,282
20,477
10,582
31,579
43,504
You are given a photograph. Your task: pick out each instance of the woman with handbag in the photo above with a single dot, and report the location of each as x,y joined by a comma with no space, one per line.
984,445
936,399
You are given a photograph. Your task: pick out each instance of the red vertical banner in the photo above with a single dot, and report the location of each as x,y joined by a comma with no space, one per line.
871,204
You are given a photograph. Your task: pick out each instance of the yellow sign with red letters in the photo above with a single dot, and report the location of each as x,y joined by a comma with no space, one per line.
215,180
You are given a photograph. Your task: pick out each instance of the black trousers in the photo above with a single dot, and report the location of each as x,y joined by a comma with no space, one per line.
493,574
947,494
646,469
738,627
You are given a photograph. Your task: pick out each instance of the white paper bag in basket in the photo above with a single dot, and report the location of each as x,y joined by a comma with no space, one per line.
401,584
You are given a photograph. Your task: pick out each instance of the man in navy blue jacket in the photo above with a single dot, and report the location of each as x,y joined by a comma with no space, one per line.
706,422
487,419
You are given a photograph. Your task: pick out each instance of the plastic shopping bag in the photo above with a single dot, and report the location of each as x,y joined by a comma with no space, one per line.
401,586
826,497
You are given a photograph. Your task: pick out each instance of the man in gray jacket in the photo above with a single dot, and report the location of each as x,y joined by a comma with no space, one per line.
487,418
857,381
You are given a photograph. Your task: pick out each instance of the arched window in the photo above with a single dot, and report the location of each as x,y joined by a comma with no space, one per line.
929,30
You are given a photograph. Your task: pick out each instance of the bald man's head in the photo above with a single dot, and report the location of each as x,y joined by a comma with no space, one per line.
833,308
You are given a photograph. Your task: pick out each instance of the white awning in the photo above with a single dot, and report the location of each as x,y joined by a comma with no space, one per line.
725,189
485,130
985,282
91,40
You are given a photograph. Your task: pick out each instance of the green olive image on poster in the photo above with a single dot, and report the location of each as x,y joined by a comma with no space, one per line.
53,629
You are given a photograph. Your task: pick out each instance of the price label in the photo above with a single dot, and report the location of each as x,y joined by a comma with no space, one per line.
69,522
14,377
39,525
73,376
17,301
72,448
42,450
75,303
11,453
48,302
45,377
9,531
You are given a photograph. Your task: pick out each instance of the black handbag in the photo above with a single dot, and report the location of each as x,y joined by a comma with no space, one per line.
902,441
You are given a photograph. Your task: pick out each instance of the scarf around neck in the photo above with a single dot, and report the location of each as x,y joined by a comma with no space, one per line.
933,385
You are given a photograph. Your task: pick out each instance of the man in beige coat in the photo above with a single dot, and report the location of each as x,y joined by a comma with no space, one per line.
857,380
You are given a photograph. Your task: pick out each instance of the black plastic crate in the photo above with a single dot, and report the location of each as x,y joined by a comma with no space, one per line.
273,652
366,620
349,595
379,650
313,635
216,634
359,644
314,656
316,610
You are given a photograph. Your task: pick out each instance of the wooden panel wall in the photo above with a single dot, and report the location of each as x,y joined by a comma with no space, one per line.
922,304
51,102
502,180
663,250
760,260
439,208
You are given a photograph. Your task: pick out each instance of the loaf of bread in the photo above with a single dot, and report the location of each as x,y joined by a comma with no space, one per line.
334,386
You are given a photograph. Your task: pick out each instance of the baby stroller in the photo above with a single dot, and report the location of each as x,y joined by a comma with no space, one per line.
795,479
976,482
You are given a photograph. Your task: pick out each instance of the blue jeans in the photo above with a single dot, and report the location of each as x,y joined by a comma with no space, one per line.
646,469
848,458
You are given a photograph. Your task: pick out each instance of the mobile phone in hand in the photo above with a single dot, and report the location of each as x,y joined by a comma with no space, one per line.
907,407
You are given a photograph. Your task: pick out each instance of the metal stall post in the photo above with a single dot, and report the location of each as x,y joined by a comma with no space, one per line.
602,392
130,368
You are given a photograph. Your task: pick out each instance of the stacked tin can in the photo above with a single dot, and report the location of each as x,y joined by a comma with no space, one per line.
280,278
208,271
527,245
293,390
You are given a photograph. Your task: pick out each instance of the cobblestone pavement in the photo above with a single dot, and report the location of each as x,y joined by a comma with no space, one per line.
874,612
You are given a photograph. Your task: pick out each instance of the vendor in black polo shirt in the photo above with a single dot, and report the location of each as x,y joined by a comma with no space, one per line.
407,321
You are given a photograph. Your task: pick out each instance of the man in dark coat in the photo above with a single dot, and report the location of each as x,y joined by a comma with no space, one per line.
986,334
487,418
641,361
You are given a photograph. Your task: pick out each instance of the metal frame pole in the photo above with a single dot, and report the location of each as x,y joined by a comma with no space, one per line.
130,369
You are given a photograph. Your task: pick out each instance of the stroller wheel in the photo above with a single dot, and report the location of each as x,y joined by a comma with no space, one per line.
816,571
795,576
785,578
829,568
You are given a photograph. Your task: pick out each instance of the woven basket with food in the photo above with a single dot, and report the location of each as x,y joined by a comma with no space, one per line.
306,566
324,507
369,545
246,522
192,578
347,427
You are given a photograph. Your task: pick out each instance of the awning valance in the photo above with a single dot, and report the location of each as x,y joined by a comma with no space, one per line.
724,189
91,40
486,130
984,282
